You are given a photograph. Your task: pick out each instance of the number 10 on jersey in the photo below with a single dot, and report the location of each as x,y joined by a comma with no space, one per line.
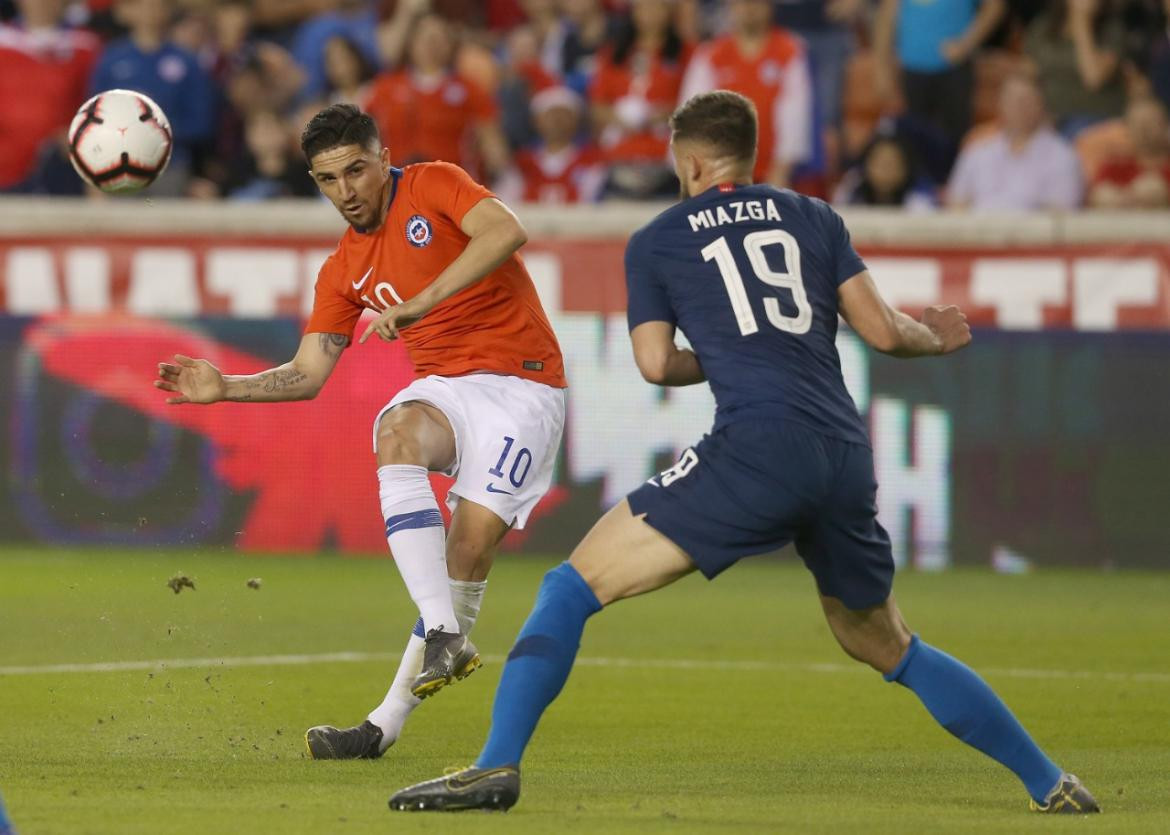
719,251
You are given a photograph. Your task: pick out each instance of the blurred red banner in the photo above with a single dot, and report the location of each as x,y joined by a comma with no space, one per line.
1088,288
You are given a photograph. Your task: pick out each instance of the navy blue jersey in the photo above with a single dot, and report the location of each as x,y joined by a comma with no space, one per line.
750,275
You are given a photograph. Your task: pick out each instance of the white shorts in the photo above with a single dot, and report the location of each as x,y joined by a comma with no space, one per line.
507,433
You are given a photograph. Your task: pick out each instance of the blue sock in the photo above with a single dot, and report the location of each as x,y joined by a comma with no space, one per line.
538,664
965,705
5,825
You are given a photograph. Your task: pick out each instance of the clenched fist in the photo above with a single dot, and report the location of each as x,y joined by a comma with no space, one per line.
949,326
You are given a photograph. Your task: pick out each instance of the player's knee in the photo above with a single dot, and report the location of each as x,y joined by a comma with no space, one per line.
397,446
880,649
601,581
876,642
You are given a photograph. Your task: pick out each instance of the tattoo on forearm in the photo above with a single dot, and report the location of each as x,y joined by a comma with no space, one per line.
332,343
281,379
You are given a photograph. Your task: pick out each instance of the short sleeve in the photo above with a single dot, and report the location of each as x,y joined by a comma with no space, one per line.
332,312
846,262
647,300
448,190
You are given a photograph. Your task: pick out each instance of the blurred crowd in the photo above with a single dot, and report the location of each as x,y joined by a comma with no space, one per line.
975,104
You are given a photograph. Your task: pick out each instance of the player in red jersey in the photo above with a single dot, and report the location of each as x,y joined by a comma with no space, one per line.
434,254
769,66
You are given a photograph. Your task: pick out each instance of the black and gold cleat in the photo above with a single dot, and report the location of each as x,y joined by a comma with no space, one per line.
326,742
1069,797
493,789
446,657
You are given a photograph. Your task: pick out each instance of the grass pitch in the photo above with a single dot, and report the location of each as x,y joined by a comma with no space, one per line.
702,708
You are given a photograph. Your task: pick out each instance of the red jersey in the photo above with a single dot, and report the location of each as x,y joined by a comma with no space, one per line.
496,325
777,82
428,119
572,175
43,78
1122,171
642,76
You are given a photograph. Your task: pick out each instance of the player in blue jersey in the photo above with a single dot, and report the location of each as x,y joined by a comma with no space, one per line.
755,277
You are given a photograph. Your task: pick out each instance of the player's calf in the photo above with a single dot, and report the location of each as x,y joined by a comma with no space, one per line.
877,636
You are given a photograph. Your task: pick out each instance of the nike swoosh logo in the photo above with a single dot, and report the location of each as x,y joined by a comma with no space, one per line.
357,285
459,783
491,488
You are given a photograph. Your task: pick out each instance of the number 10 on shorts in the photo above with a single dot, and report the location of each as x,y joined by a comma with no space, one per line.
521,463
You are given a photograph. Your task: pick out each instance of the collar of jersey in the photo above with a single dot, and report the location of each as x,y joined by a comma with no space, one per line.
395,175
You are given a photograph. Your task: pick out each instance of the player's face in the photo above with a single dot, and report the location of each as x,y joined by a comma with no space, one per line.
354,179
750,15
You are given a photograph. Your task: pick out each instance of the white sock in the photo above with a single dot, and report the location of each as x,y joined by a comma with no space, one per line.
414,530
466,598
391,715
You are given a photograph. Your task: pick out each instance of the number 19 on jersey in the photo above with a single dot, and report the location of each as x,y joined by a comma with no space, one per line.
720,252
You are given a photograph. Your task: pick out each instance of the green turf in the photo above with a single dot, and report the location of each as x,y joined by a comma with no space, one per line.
781,745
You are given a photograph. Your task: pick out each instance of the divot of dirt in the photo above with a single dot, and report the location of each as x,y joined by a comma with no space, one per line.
181,581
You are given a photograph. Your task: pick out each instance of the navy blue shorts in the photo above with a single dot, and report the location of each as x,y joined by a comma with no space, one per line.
755,486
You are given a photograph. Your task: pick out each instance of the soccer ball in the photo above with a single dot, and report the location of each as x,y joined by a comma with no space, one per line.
120,141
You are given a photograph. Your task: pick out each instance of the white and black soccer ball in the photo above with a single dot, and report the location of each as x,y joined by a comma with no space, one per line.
120,141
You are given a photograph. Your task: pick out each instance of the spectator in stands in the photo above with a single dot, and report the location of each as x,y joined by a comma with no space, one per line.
148,62
279,19
521,75
272,167
348,71
1141,179
543,20
1077,47
636,87
226,45
933,44
1154,54
769,66
1025,165
258,78
44,69
559,169
826,26
353,19
425,111
590,27
886,175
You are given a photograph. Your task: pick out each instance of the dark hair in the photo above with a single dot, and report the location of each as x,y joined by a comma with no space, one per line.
720,118
866,194
366,68
338,124
627,37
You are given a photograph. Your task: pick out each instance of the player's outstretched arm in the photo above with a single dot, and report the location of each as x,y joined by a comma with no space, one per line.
941,331
198,381
660,360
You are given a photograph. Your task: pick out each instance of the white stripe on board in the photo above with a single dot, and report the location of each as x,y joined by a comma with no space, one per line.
585,661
